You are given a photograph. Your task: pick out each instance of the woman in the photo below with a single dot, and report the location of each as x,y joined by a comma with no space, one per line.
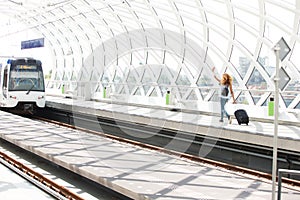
226,86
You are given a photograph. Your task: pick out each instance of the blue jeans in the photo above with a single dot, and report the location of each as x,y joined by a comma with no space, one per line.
223,111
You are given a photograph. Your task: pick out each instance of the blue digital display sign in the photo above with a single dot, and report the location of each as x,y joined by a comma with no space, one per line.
32,43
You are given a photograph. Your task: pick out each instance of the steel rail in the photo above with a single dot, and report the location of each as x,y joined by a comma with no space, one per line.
37,179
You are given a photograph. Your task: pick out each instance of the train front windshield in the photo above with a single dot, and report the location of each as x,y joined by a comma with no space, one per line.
26,78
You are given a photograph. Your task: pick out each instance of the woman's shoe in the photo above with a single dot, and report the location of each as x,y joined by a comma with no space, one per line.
221,120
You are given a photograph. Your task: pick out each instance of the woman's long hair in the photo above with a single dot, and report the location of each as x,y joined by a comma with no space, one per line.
226,79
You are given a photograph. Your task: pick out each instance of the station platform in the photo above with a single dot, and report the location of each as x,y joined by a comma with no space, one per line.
141,173
260,131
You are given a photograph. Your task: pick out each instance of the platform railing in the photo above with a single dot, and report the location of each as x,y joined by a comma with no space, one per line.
281,172
179,93
57,84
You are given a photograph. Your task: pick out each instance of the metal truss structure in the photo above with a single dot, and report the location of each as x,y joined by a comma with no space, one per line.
139,49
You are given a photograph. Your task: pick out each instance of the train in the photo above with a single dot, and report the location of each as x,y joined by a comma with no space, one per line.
22,87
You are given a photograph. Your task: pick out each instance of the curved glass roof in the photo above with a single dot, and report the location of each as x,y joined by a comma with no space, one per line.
142,48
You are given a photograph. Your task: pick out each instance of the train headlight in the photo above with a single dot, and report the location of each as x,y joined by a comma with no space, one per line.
40,97
12,97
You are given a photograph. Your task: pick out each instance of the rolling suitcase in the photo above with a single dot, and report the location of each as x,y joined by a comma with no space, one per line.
241,116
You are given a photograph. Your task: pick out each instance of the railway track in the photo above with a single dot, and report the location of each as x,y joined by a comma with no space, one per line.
113,130
42,182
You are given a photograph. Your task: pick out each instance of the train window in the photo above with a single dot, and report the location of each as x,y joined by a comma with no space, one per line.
5,79
4,87
23,80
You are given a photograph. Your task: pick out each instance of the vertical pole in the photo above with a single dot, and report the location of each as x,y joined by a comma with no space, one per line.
279,185
168,98
104,92
271,107
276,102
